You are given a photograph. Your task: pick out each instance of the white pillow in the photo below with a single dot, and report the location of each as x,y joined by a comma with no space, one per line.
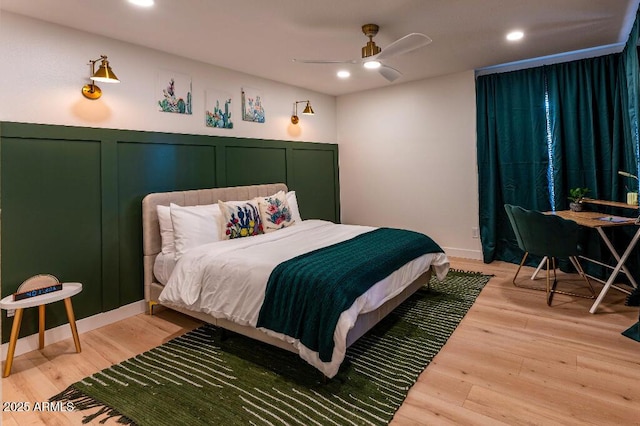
166,229
292,200
194,226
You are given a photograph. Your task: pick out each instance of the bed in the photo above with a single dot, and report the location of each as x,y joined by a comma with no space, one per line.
164,276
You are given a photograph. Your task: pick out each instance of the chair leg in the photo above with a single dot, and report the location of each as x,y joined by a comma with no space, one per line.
519,267
578,267
551,289
524,258
576,264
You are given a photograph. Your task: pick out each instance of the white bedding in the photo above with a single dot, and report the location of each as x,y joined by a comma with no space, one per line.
228,279
163,266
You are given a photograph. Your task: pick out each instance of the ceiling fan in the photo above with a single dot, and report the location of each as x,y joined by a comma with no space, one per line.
373,55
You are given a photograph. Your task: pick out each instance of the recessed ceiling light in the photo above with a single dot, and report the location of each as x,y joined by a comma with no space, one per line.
343,74
515,35
372,65
143,3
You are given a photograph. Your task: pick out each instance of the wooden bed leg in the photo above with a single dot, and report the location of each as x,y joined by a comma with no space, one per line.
151,305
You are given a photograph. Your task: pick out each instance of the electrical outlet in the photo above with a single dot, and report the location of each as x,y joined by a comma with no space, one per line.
10,313
475,232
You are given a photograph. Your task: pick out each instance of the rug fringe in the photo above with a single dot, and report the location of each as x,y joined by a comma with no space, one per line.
470,272
81,401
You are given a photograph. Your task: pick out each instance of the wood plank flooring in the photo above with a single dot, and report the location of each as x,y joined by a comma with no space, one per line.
512,361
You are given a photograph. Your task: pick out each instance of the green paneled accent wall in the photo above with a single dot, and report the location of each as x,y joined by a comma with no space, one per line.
51,220
315,172
71,200
145,168
250,165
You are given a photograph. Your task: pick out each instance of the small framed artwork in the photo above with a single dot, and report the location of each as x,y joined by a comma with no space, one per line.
174,92
218,109
252,107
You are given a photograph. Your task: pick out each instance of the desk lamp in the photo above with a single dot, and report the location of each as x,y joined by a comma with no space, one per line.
632,197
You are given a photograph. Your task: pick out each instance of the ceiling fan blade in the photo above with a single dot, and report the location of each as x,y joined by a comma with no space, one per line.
321,61
391,74
405,44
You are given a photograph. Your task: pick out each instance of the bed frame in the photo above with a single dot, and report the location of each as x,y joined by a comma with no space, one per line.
152,245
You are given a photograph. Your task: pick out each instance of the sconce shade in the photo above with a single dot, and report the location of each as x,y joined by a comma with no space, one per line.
104,74
307,111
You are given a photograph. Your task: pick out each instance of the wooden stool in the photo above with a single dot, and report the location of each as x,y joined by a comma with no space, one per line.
39,281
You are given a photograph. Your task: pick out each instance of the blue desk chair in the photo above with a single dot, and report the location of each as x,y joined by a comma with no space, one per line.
546,236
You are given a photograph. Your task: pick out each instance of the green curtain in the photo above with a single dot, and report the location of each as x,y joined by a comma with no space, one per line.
588,139
631,67
512,154
544,130
631,99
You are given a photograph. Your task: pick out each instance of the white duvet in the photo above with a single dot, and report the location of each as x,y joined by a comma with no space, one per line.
228,279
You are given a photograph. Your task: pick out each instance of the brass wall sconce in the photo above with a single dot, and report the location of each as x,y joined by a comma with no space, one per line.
104,75
307,111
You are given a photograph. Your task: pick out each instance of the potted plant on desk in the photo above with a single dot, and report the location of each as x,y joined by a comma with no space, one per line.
575,196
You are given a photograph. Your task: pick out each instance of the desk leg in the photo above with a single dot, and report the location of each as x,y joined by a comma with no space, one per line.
540,266
15,330
616,270
617,257
72,323
41,318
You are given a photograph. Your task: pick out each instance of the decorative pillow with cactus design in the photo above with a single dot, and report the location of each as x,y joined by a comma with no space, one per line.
240,220
275,212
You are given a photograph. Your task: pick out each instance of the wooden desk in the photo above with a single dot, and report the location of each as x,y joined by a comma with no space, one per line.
597,221
592,219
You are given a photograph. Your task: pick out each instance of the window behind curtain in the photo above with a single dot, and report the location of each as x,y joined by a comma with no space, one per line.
543,131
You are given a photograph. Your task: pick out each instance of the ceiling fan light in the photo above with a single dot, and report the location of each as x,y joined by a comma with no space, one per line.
372,65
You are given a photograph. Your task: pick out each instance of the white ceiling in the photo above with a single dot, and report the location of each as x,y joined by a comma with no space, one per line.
261,37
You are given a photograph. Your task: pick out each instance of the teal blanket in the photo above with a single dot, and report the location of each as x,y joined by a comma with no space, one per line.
306,295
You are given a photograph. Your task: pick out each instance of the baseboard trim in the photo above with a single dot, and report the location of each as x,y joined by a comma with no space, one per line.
54,335
463,253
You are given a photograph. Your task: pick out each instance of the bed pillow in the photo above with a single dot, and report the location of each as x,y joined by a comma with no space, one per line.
194,226
240,219
275,212
166,229
293,205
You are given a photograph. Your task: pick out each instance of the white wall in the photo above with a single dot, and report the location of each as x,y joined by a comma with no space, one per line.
407,152
408,159
44,66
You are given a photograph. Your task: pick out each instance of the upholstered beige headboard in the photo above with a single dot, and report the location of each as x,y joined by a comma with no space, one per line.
151,241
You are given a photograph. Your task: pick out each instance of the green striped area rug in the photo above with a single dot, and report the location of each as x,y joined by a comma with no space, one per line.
200,379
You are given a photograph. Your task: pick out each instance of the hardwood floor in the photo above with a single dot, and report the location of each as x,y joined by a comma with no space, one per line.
512,360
